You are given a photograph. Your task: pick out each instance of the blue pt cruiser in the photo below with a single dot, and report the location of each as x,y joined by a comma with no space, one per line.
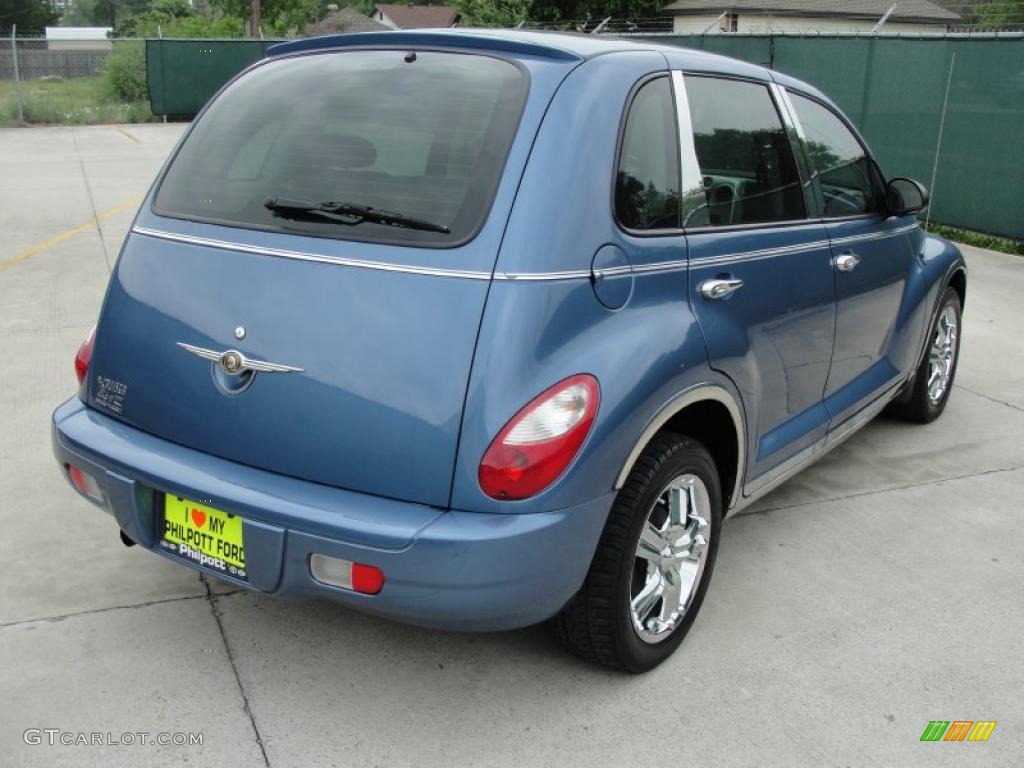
478,329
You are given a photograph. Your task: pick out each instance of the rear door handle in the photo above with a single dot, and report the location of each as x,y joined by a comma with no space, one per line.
720,289
847,262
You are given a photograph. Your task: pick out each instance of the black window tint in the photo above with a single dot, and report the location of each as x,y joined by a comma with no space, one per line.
427,138
748,172
647,183
844,171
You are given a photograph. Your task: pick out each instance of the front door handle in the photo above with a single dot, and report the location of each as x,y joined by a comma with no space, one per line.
720,289
847,262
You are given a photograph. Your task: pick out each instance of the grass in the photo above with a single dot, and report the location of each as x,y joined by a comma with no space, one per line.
72,101
979,239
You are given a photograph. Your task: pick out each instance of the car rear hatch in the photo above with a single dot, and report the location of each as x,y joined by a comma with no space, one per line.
354,335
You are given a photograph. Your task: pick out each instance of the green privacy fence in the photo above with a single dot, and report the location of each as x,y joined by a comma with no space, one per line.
182,75
893,88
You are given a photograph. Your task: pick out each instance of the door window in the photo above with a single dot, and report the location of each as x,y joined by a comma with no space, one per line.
647,179
845,173
747,171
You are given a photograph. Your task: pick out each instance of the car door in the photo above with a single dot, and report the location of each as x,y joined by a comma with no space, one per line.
871,255
761,283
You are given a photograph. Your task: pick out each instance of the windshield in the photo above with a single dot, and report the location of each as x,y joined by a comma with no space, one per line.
421,135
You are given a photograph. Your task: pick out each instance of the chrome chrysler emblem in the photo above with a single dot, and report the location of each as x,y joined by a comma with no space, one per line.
233,362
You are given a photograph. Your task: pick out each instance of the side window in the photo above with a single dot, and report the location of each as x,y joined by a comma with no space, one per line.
748,173
647,178
843,169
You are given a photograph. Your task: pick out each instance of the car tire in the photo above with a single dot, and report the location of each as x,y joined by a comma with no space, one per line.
673,496
933,380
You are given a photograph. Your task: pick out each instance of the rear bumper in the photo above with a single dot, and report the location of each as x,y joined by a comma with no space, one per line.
443,568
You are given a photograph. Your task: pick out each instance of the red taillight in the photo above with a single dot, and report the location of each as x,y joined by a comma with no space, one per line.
84,483
84,355
367,579
359,577
540,441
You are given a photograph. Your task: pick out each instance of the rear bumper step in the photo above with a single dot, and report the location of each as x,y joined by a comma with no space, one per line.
444,568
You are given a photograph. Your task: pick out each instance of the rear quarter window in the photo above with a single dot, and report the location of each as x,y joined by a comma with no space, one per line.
647,177
426,138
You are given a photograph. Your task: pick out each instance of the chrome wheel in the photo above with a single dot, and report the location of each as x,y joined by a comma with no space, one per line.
942,354
670,557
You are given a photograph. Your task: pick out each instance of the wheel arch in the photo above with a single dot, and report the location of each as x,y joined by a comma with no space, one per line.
958,282
711,415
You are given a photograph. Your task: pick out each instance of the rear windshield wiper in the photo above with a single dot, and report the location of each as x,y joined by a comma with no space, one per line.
348,213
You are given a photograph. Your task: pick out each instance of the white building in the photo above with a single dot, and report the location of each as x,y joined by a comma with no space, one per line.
78,38
808,16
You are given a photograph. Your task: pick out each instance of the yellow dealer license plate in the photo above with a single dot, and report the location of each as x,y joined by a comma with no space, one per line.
204,535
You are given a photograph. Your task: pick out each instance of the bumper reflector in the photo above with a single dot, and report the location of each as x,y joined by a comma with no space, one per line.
85,483
359,577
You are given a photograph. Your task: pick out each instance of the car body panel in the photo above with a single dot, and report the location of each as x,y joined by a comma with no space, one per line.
449,569
384,336
774,343
376,406
869,297
413,359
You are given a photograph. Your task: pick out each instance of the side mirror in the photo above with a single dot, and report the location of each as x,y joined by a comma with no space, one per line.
904,197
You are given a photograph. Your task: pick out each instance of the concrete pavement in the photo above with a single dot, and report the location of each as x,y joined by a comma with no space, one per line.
876,591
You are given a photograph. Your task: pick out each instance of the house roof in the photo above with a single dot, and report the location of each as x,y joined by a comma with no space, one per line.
906,10
343,20
420,16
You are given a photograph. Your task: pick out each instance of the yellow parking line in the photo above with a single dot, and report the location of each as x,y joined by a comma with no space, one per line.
52,241
125,133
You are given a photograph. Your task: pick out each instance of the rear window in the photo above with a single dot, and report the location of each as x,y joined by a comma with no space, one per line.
420,135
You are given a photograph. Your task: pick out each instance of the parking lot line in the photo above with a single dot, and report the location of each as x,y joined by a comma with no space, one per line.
125,133
59,238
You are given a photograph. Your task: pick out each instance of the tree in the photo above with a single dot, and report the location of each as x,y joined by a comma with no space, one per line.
1000,14
177,18
279,16
508,13
579,10
494,13
30,16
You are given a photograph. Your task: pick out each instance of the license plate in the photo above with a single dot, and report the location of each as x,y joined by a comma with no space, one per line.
204,535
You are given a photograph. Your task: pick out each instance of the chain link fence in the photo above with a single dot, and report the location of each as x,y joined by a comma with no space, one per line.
944,108
38,59
73,81
770,17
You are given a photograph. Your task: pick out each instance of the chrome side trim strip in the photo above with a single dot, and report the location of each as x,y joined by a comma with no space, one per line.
314,257
660,266
696,394
519,277
773,478
611,271
874,235
730,258
533,277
